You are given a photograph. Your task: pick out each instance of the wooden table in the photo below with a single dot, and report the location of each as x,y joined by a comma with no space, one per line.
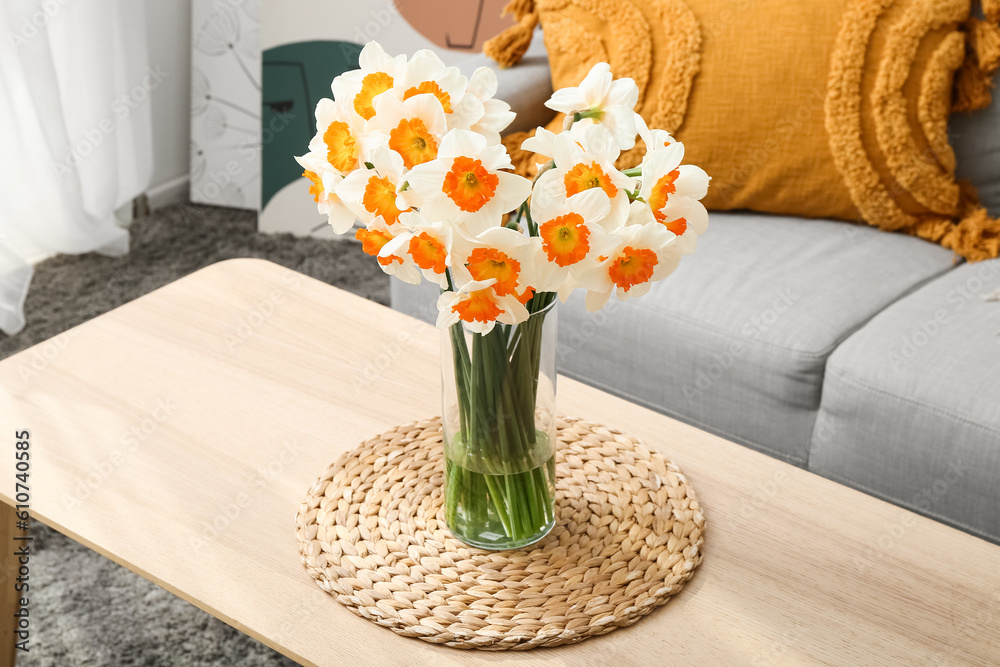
178,434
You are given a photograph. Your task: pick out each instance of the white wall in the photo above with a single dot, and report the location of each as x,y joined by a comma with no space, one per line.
169,29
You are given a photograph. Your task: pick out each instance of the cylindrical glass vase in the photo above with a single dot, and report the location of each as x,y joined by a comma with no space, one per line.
500,431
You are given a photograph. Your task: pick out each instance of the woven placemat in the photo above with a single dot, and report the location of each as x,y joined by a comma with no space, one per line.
628,535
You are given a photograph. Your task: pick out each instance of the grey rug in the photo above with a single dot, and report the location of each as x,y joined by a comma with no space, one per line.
86,610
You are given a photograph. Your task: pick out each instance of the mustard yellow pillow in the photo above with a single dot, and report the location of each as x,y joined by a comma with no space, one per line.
817,108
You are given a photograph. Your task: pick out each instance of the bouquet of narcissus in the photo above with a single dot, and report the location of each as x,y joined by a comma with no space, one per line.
411,148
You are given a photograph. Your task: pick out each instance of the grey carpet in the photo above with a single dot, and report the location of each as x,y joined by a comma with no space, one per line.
86,610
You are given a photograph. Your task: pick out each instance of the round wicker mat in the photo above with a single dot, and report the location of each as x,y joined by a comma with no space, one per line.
628,535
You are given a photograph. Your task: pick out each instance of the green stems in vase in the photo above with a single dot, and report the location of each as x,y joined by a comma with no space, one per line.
500,430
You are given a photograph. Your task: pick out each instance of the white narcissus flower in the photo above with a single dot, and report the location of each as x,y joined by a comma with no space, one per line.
412,148
604,100
426,73
685,218
584,160
671,191
514,261
479,307
373,238
371,193
323,184
496,114
413,128
426,245
378,73
644,254
465,183
571,238
340,136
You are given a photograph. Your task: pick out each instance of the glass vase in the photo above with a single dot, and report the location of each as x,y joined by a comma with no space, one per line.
499,392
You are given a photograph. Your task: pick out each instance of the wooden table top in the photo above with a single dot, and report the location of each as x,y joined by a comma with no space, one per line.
178,434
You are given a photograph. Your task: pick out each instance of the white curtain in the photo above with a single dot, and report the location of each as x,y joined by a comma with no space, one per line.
75,132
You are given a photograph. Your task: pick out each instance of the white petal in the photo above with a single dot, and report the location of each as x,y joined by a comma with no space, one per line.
466,111
513,311
512,191
596,85
427,108
446,316
351,191
425,180
643,130
598,142
567,101
619,213
592,204
461,142
424,65
596,300
692,182
396,245
543,142
340,219
566,289
476,285
620,122
387,162
503,238
326,113
389,110
496,116
495,158
623,92
483,83
566,152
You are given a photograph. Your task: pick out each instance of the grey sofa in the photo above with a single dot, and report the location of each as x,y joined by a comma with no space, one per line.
867,357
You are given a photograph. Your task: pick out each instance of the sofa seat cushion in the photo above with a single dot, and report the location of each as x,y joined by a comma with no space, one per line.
911,403
736,340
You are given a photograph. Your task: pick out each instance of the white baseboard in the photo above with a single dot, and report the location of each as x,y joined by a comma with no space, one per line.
174,191
35,259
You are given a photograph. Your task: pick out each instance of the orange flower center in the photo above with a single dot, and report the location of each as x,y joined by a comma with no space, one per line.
633,266
316,185
373,84
479,307
413,141
486,263
469,185
678,226
341,148
664,187
565,239
372,240
432,88
428,253
380,199
585,176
